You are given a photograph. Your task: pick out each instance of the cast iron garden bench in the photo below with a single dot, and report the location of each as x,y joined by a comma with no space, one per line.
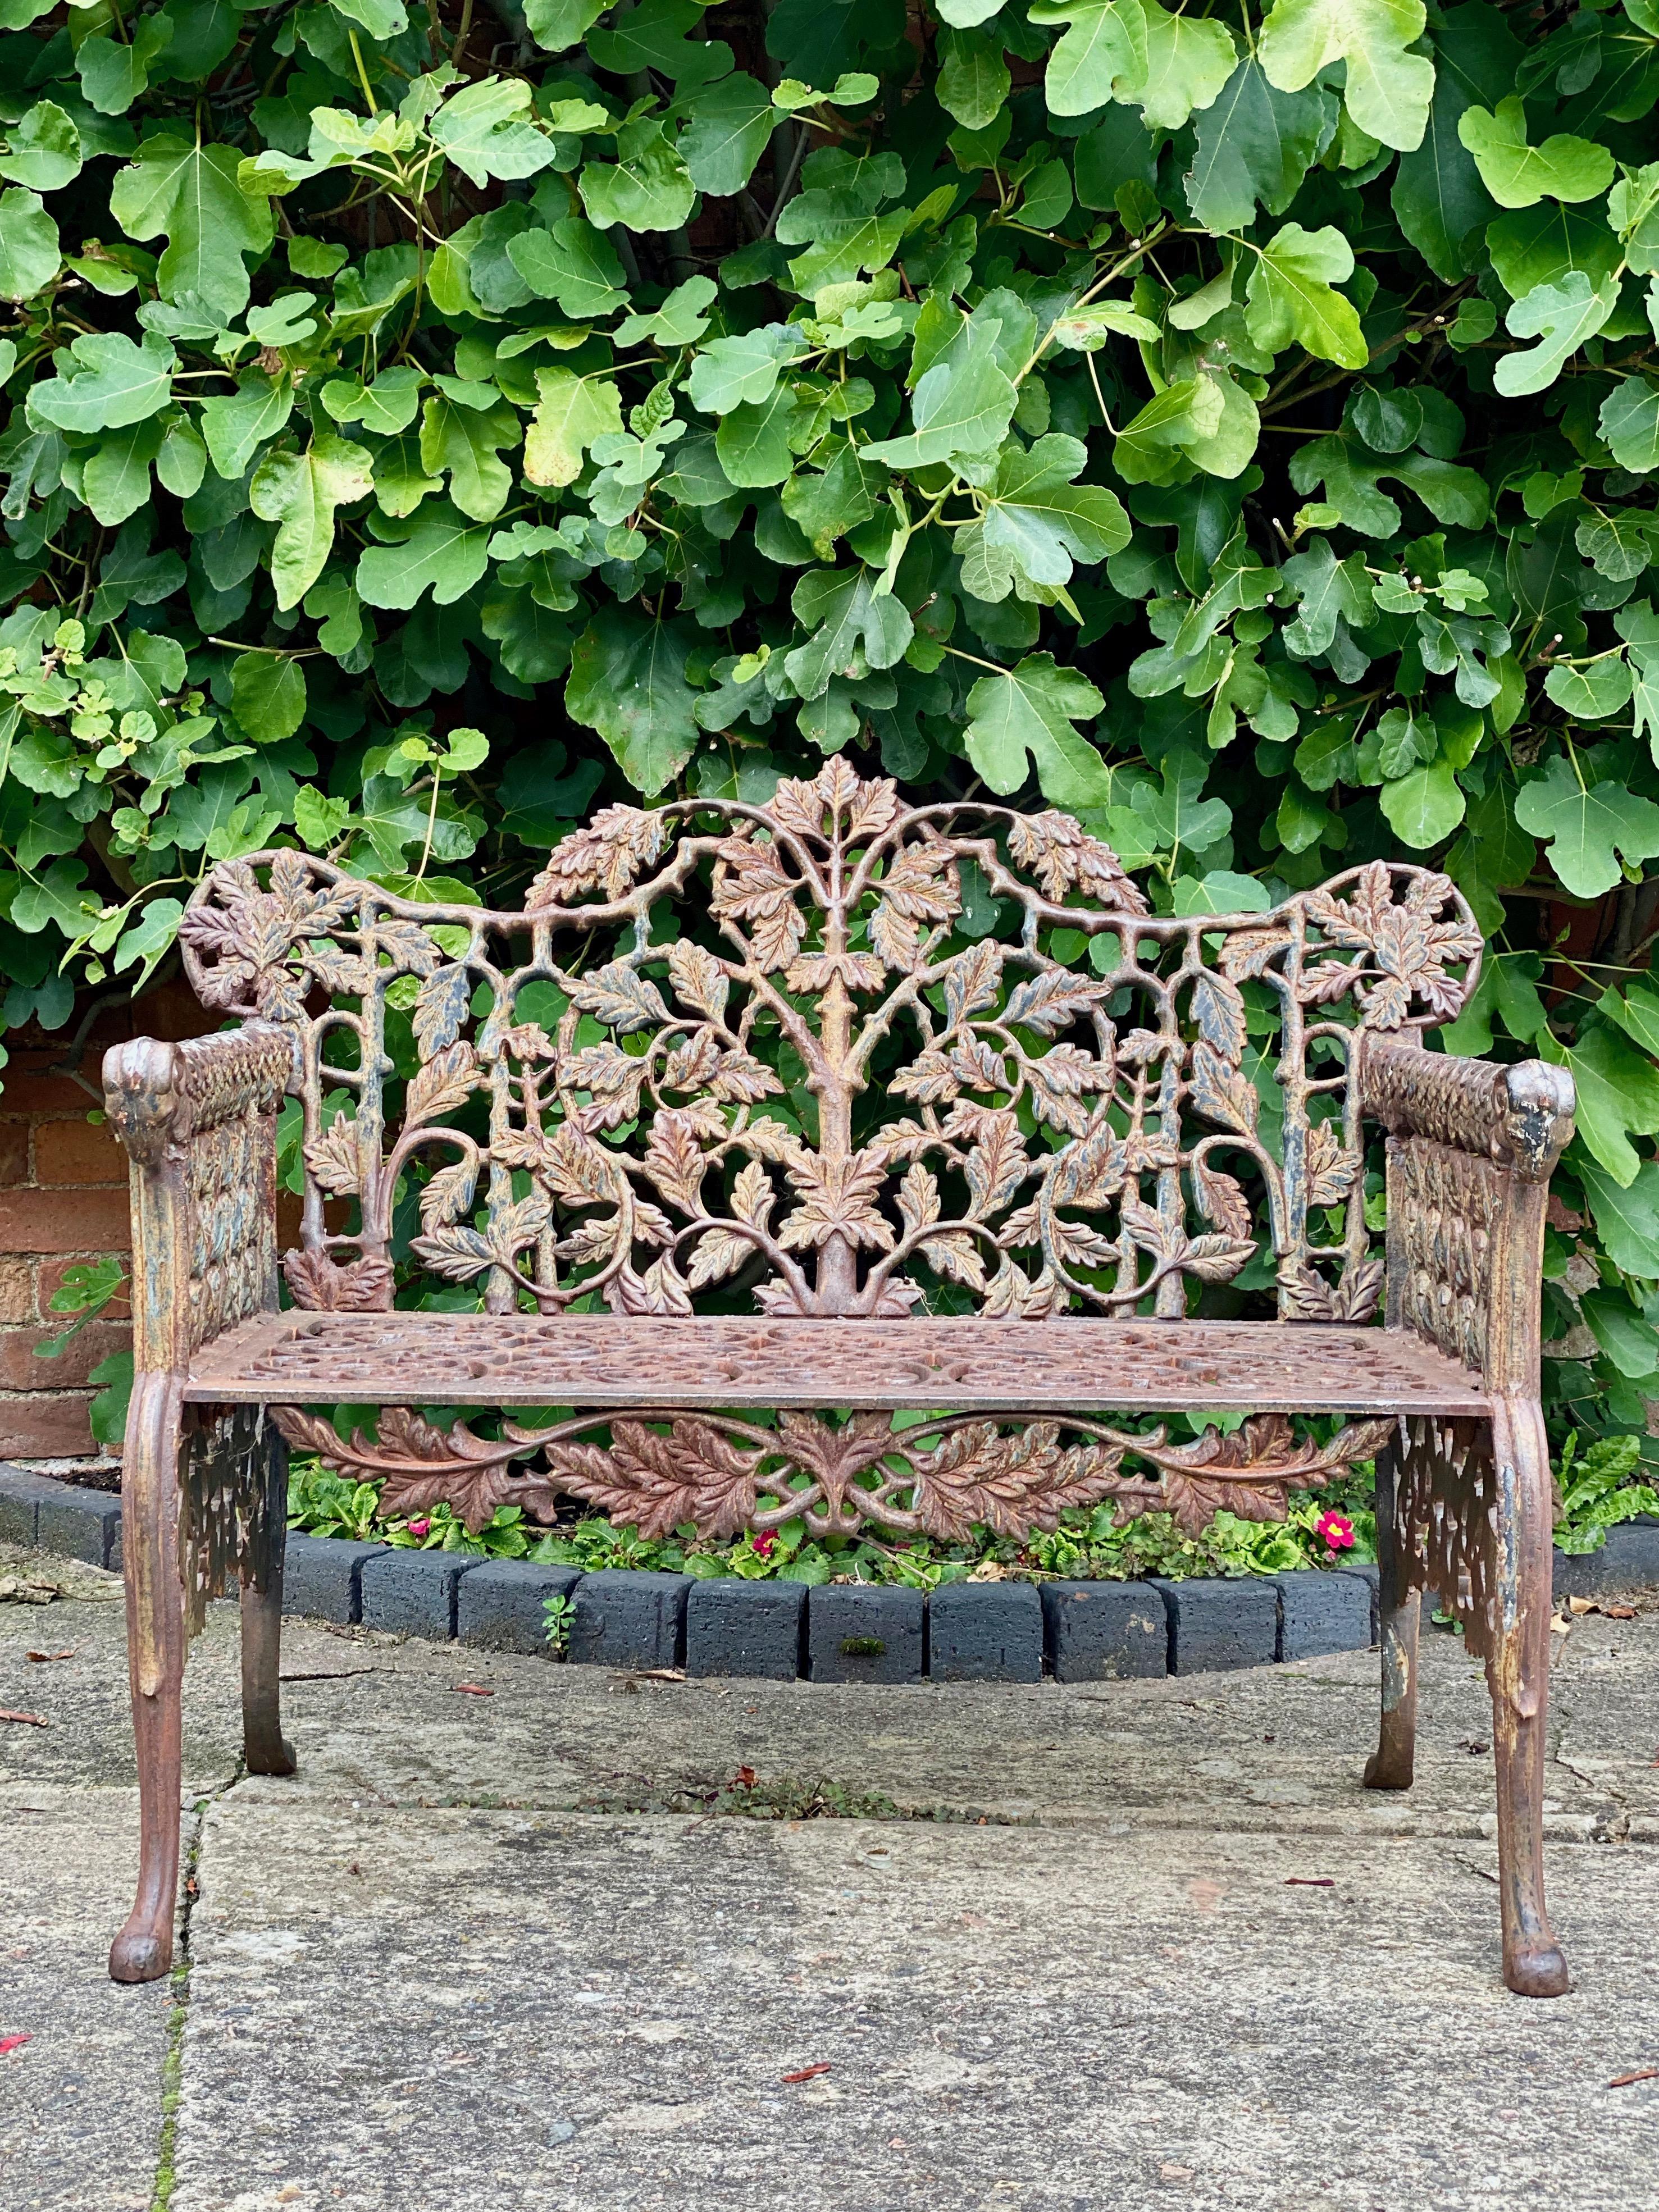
761,1123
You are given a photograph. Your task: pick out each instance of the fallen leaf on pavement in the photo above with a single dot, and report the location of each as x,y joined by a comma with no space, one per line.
1583,1605
13,2042
744,1778
27,1720
1167,2172
472,1690
44,1658
807,2073
1310,1881
22,1592
1619,2080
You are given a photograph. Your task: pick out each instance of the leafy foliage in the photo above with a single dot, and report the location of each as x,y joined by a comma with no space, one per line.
1237,427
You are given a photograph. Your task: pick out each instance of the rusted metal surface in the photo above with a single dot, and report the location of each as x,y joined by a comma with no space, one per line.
198,1121
936,1478
588,1360
1029,1100
1519,1116
1470,1153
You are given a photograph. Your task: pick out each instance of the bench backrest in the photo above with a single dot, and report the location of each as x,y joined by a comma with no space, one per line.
834,1054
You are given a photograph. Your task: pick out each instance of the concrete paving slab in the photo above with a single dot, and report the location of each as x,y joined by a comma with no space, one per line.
462,2010
81,2102
496,1952
377,1717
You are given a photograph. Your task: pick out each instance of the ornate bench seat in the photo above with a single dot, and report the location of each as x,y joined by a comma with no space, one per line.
761,1124
583,1359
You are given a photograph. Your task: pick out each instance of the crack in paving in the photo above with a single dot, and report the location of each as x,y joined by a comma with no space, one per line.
172,2061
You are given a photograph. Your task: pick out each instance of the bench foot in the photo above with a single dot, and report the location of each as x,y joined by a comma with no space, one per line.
264,1748
142,1952
1517,1674
1399,1612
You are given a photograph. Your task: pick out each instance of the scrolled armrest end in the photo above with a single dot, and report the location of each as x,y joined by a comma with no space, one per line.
157,1095
1538,1103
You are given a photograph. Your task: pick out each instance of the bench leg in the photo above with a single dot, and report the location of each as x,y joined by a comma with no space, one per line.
1517,1674
264,1746
142,1952
1399,1613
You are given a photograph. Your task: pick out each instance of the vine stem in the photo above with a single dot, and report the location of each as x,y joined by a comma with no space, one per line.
362,74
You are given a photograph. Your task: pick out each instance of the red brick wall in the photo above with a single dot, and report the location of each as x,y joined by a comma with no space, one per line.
63,1198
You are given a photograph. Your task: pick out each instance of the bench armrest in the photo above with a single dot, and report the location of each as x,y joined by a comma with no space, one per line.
1470,1149
198,1121
1520,1116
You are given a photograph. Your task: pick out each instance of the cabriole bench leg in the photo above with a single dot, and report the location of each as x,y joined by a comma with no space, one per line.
142,1952
1517,1674
264,1748
1399,1612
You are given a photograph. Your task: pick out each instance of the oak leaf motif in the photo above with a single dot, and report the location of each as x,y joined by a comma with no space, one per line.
1409,944
1064,857
838,1195
446,1082
661,1290
607,854
698,979
752,885
1250,1472
332,1160
653,1481
321,1285
1330,1168
1008,1484
419,1466
836,1457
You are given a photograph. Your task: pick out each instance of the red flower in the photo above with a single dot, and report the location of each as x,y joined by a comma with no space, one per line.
763,1545
1337,1530
419,1527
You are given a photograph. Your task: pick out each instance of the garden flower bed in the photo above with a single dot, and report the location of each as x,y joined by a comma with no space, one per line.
1088,1602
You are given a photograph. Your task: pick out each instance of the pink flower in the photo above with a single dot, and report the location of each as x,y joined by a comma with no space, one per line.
420,1528
1337,1530
763,1545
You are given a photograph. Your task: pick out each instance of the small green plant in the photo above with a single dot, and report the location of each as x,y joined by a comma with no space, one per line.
1330,1528
324,1504
88,1288
86,1291
561,1613
1597,1492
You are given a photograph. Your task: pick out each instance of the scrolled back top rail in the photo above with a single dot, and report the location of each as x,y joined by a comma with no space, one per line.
965,1100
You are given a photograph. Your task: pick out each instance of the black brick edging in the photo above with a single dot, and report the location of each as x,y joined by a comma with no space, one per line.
999,1631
